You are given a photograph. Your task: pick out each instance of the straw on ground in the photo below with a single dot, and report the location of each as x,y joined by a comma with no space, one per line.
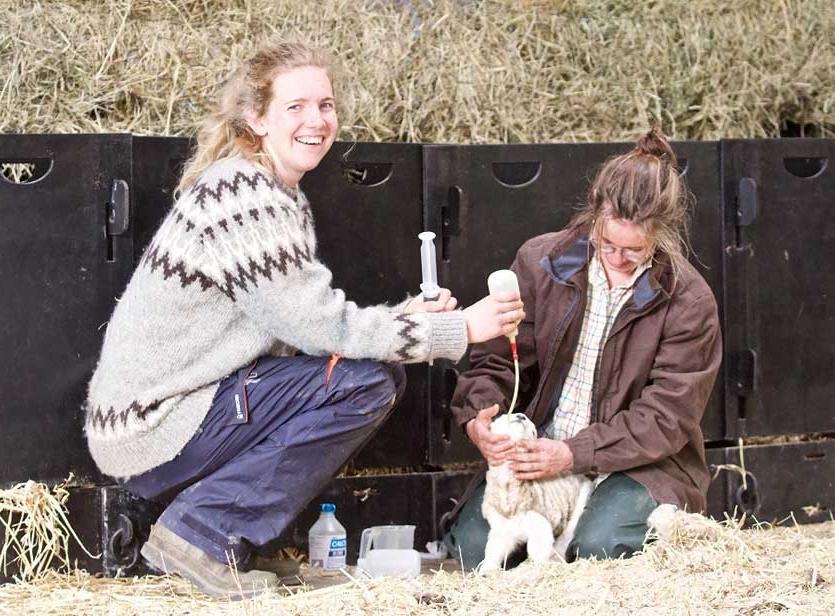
790,570
34,529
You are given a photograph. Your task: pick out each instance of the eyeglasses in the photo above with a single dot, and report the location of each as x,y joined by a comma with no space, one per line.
634,256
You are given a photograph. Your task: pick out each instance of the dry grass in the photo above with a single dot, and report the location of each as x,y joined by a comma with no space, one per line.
35,530
696,566
459,71
718,570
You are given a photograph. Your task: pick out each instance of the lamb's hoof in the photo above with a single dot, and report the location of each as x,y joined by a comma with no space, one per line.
663,521
485,568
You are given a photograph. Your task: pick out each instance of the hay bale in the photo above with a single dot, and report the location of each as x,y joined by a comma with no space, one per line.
480,71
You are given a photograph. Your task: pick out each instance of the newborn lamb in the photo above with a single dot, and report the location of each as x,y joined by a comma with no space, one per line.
531,512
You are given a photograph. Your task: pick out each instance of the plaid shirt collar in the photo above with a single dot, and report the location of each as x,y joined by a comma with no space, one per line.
597,275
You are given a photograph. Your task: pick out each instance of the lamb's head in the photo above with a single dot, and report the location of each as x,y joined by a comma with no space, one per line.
502,486
515,425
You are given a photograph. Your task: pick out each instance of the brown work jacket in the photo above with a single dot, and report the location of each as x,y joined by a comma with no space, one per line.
654,374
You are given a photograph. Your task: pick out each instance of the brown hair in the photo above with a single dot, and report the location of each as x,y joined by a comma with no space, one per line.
225,133
645,187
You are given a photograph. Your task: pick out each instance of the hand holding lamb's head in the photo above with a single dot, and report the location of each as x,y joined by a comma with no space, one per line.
515,425
529,512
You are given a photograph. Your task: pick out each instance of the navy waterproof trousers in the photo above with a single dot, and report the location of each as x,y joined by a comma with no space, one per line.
275,435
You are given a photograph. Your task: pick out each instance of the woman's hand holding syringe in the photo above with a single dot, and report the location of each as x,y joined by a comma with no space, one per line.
444,303
493,316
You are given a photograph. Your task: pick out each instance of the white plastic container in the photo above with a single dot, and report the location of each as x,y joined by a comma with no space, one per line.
387,550
327,541
388,537
388,562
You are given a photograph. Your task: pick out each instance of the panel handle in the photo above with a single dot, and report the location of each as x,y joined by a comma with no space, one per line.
450,378
747,206
744,364
118,214
118,208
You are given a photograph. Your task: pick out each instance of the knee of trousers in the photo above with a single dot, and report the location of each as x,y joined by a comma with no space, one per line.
603,543
398,375
380,385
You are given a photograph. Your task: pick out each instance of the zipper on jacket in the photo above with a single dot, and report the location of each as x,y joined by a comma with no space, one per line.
561,329
594,416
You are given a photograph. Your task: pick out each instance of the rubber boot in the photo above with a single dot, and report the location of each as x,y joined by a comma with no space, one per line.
170,553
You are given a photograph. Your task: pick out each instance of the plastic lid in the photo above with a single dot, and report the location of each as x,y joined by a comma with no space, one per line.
327,508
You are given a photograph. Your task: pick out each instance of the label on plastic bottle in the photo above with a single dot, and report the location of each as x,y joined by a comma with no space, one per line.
328,551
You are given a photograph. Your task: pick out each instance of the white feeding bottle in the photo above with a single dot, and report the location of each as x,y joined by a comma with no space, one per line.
504,281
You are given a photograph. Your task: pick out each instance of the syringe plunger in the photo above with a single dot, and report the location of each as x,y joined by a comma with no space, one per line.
428,267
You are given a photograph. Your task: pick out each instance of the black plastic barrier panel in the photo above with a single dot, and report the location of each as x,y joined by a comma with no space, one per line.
157,166
782,480
779,310
65,254
77,211
717,494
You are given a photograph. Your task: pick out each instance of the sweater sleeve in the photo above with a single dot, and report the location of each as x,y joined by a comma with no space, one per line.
260,253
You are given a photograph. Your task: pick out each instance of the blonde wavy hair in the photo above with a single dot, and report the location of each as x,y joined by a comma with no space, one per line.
643,186
225,133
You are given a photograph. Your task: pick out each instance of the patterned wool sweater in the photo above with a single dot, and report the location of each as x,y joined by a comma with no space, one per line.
230,276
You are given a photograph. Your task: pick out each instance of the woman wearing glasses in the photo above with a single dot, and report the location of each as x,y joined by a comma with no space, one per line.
619,352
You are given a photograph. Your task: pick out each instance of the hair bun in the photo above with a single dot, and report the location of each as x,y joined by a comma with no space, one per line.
654,143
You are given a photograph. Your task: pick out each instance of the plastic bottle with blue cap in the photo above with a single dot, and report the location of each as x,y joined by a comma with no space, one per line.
327,540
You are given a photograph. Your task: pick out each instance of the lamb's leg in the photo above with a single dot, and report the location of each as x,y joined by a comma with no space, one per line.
501,541
561,544
540,537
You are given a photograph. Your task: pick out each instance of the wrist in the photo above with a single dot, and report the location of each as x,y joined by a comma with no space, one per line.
568,457
468,427
469,326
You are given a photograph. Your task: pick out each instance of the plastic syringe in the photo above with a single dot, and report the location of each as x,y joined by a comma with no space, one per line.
428,267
